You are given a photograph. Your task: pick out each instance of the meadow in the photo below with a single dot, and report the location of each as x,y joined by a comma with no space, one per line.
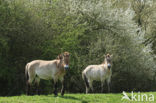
88,30
73,98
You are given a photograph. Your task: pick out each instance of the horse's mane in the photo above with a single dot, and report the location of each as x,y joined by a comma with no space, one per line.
108,55
103,61
60,56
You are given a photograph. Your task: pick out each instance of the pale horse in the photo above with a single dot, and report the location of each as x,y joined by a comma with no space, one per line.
102,72
47,70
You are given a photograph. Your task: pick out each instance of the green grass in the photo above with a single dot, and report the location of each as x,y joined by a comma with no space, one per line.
71,98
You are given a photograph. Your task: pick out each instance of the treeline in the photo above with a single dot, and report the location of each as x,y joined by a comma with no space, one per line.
88,29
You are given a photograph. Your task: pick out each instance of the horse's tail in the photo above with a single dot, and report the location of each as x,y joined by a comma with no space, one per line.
26,79
85,79
26,72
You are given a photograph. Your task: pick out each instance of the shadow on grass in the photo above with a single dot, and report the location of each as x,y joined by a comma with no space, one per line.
73,98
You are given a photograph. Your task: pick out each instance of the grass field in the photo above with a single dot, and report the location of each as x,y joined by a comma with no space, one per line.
72,98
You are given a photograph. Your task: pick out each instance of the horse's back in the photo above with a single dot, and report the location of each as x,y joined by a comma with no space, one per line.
41,63
33,64
42,68
92,68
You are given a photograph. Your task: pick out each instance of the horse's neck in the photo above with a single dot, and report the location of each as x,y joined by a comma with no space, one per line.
105,62
59,63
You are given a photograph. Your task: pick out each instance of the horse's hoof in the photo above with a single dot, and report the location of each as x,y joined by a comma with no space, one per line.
55,94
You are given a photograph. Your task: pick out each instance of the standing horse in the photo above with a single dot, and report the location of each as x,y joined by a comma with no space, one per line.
100,72
41,69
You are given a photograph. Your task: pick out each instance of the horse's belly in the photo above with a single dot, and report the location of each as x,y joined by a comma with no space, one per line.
46,77
95,76
44,73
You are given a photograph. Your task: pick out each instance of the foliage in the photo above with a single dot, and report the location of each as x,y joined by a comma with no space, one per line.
72,98
88,29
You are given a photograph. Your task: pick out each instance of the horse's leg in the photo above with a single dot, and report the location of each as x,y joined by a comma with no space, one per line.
63,86
29,85
27,82
102,84
90,85
108,84
87,90
30,88
37,82
55,87
27,88
86,82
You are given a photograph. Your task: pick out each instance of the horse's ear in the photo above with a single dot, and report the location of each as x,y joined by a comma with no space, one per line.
66,54
104,55
58,57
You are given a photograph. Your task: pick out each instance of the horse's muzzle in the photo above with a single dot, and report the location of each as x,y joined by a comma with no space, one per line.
66,66
109,66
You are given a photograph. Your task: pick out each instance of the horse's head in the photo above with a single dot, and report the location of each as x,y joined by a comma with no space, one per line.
60,57
108,60
66,59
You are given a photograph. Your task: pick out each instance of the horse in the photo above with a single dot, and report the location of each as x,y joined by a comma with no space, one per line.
47,70
102,72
